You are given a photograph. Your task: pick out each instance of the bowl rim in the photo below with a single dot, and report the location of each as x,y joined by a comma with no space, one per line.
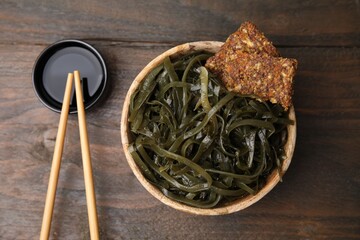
234,206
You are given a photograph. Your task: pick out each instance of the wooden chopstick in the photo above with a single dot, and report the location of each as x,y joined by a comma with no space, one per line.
85,151
56,162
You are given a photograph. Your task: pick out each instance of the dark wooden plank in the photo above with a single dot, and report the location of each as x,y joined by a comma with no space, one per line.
299,23
319,197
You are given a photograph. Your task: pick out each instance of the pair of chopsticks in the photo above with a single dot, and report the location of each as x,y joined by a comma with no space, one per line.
85,151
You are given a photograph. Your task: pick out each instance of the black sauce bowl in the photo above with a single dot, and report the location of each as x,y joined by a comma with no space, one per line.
56,61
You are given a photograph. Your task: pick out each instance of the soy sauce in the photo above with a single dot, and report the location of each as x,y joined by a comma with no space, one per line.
67,60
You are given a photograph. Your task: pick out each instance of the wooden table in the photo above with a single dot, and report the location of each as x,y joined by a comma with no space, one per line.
320,195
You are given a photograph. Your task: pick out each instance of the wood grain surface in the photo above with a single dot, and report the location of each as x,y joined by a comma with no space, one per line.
319,197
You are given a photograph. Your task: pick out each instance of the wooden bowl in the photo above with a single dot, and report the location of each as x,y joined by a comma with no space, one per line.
227,208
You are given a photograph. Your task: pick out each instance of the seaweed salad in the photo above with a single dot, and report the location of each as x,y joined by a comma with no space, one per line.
198,143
